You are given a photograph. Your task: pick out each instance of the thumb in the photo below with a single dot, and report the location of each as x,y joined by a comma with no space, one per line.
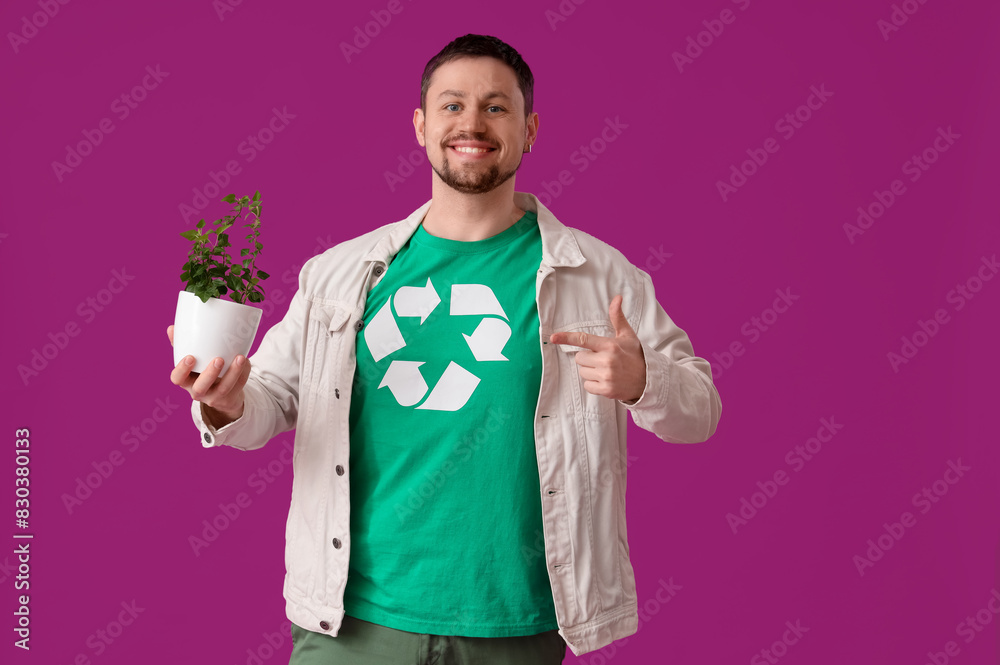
618,320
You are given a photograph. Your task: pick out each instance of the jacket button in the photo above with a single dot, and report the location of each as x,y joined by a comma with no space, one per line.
208,438
340,470
324,625
359,325
336,543
379,270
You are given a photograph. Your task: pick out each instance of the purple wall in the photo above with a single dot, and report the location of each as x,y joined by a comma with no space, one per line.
850,111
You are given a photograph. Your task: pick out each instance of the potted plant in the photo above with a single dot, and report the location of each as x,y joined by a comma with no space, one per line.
205,324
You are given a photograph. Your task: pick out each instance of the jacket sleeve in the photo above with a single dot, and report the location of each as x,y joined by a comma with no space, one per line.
679,403
271,393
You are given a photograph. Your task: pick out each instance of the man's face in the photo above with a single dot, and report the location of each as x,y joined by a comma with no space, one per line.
474,104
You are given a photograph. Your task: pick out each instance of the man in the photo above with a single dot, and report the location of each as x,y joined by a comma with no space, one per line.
459,383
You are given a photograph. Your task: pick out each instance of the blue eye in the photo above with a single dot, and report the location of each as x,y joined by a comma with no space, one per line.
497,107
452,104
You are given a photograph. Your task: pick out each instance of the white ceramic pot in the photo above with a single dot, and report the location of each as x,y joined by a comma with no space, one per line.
217,328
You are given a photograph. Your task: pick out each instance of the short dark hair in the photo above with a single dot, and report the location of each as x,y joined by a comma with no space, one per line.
470,46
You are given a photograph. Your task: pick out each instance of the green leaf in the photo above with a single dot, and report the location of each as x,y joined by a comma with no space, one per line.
256,197
190,235
244,252
230,198
259,246
262,274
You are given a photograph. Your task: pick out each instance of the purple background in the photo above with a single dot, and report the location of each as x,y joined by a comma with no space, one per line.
653,190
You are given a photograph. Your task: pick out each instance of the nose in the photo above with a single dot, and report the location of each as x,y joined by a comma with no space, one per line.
472,122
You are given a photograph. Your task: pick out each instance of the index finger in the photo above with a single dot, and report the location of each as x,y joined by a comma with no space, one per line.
582,339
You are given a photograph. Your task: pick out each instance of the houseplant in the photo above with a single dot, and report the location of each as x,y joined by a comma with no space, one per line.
205,324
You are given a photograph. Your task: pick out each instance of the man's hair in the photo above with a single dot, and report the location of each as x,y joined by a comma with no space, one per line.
469,46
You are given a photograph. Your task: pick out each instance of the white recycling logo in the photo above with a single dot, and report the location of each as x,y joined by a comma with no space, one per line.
456,385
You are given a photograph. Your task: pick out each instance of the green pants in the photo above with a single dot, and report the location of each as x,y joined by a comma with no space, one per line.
364,643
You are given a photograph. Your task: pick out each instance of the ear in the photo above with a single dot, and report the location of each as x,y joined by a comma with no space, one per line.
418,126
531,132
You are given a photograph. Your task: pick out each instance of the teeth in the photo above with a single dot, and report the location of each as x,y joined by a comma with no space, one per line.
464,149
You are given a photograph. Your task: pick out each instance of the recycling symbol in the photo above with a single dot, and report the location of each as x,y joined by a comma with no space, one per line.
456,385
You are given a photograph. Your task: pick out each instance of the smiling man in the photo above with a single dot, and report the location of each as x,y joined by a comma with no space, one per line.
459,383
476,124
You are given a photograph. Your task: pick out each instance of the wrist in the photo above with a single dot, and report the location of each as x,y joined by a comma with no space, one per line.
219,418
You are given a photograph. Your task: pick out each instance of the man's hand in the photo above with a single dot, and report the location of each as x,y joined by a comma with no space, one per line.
614,367
221,399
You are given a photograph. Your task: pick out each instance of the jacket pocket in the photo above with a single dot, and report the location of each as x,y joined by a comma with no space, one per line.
592,406
325,330
329,317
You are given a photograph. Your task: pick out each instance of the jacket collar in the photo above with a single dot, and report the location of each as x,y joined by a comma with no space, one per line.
559,246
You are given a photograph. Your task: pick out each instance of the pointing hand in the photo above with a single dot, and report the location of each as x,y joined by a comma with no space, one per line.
614,367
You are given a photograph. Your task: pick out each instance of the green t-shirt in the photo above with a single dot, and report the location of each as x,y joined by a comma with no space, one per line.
446,525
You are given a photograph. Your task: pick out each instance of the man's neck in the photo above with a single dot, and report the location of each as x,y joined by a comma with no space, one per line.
468,217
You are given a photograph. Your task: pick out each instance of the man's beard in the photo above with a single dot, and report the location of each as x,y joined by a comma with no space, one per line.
479,182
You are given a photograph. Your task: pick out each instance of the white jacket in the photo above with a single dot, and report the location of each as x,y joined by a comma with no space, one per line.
302,375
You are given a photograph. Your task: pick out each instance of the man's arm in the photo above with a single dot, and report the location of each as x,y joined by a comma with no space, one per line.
271,393
680,403
217,419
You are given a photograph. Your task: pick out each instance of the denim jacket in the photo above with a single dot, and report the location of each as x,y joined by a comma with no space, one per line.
301,378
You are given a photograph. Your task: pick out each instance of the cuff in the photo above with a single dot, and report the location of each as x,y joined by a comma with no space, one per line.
656,380
211,437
